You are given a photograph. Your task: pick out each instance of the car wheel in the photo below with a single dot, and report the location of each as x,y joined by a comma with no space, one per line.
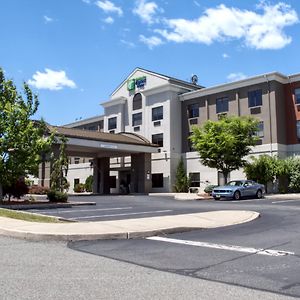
237,195
259,194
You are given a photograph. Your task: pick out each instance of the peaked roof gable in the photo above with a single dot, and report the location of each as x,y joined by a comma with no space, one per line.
158,75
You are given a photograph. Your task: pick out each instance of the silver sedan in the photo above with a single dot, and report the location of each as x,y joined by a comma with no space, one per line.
237,189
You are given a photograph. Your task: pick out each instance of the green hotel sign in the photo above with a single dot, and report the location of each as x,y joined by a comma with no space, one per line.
136,82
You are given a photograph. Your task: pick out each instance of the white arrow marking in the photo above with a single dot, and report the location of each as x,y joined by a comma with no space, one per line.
269,252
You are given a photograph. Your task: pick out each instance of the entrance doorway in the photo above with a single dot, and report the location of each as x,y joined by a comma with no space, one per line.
125,181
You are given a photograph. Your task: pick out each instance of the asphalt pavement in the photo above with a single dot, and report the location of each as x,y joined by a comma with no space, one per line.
50,270
254,260
263,255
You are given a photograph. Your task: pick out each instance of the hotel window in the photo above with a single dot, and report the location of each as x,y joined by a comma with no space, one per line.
260,129
137,102
157,113
112,123
136,119
298,129
76,160
157,180
92,128
158,139
255,98
297,96
193,111
222,105
194,179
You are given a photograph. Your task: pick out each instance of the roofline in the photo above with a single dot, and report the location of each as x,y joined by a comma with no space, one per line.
114,101
236,84
84,121
136,69
168,78
135,141
294,77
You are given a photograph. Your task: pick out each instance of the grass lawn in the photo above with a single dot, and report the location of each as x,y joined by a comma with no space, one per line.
8,213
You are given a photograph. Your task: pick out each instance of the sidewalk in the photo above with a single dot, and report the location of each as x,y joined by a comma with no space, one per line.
192,196
294,196
123,229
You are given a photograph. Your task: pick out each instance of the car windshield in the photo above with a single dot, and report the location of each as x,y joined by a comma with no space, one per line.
235,183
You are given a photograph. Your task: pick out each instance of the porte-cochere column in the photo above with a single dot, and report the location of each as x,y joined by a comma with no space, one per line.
101,175
141,173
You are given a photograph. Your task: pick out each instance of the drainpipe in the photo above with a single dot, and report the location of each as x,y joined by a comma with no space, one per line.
270,115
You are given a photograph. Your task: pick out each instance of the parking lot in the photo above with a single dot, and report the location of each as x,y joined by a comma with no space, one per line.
116,207
262,254
121,207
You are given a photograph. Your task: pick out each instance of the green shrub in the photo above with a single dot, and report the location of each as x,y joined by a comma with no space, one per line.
208,189
79,188
89,183
56,196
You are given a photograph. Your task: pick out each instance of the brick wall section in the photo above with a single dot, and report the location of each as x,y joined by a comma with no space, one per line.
292,112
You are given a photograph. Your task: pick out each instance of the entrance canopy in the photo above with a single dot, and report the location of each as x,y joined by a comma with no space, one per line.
85,143
101,147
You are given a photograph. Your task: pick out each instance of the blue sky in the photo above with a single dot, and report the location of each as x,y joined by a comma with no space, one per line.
74,53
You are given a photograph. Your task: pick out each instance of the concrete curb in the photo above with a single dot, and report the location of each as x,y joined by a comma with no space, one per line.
122,230
73,203
36,206
46,206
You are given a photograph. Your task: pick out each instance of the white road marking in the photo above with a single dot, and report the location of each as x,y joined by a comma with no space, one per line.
86,210
120,215
248,200
282,201
269,252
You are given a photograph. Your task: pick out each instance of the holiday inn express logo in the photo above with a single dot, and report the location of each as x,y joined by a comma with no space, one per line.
136,82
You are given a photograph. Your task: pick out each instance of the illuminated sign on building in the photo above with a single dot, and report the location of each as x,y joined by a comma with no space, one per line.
136,82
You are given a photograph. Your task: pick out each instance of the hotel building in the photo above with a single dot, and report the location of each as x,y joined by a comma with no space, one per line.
163,109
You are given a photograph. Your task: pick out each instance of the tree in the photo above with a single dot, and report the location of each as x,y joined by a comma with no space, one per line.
292,173
263,169
182,181
224,143
22,140
60,167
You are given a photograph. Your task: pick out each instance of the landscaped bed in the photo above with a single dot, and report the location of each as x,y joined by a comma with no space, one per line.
27,216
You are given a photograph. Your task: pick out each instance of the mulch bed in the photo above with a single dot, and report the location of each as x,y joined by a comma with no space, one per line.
23,202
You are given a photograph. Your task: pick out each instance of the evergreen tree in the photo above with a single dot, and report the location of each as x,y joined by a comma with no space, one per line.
182,180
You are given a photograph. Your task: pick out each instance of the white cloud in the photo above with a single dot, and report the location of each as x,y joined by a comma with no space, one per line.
236,76
128,44
258,30
151,42
225,55
147,11
109,7
51,80
108,20
47,19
